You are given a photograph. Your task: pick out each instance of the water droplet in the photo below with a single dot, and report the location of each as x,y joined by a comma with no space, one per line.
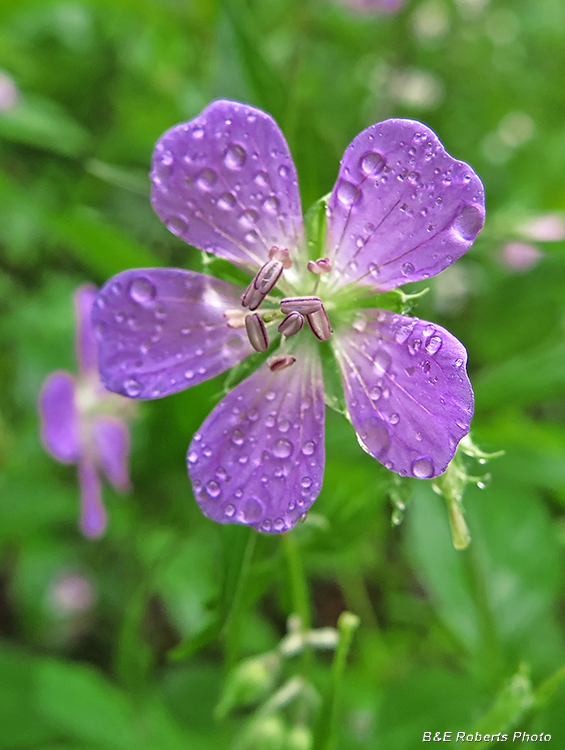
251,510
271,204
226,201
308,448
348,193
372,163
382,360
189,374
414,346
192,457
423,468
235,156
374,434
213,488
270,421
100,329
279,524
467,224
270,395
375,393
284,171
221,474
206,179
198,134
282,448
132,387
419,437
252,415
284,425
407,269
458,362
248,218
176,224
207,451
163,168
394,419
266,525
229,510
306,482
243,460
141,290
237,438
433,345
426,366
261,179
403,333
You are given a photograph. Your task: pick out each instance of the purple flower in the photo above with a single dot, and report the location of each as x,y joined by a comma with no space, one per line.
81,424
401,210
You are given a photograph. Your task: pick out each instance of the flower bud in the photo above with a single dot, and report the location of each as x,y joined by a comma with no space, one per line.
248,683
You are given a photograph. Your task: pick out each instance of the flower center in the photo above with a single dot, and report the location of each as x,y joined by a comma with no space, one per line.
294,309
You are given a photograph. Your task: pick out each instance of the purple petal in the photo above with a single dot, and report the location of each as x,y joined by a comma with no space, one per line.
258,459
93,518
87,347
402,208
226,183
60,426
161,330
112,440
375,6
407,391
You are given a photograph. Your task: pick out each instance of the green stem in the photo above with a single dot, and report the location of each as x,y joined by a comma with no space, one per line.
324,738
299,593
236,610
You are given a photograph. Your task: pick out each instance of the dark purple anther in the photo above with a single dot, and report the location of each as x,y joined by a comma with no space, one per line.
256,332
291,324
320,323
303,305
280,362
252,297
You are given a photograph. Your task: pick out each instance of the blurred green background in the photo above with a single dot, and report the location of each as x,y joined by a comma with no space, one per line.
448,641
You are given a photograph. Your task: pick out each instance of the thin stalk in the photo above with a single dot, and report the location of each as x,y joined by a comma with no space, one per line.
236,611
299,593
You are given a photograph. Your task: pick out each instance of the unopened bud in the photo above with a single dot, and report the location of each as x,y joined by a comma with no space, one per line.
235,318
249,682
291,324
280,362
256,332
265,733
299,738
304,305
322,265
282,254
320,324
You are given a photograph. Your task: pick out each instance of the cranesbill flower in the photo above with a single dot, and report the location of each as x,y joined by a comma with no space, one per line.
401,210
81,422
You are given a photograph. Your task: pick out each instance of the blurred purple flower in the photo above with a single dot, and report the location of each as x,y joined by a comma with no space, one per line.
401,210
81,424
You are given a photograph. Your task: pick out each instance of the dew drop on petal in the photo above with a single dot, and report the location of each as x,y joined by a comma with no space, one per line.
237,438
266,525
283,171
282,448
206,179
306,482
271,204
347,193
382,360
198,134
423,468
229,510
458,362
226,201
375,393
308,448
213,488
467,224
221,474
270,395
142,291
235,156
407,269
132,387
372,163
394,419
261,179
176,224
433,345
374,434
192,457
279,524
251,510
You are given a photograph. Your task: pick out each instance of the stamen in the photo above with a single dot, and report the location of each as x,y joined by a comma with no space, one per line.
282,254
235,317
256,332
252,297
268,276
291,324
280,362
304,305
322,265
320,324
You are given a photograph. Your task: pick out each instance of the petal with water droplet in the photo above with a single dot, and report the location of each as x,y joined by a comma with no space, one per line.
402,208
229,185
154,345
267,435
411,415
85,341
112,441
60,429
